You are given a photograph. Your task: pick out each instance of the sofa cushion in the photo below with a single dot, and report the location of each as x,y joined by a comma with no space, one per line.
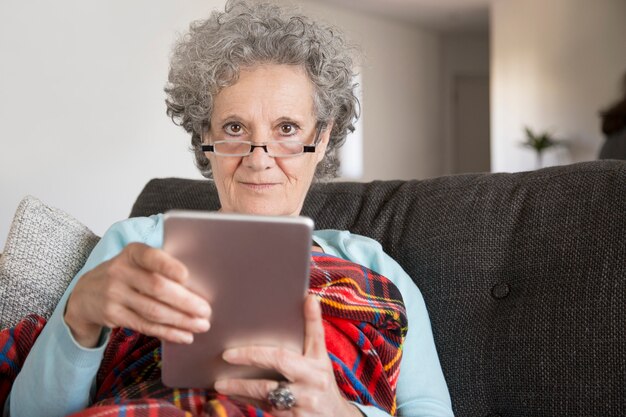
522,274
45,248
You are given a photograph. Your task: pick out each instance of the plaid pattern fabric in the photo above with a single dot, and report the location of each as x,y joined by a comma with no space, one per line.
365,325
15,343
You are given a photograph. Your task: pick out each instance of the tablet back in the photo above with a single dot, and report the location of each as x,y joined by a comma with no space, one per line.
254,272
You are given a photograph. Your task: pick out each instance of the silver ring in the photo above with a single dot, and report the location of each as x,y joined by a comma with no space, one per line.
281,398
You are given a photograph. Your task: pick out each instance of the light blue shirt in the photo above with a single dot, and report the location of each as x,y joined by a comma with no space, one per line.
58,376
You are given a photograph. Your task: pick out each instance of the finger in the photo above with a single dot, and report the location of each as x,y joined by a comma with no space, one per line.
134,321
160,313
287,362
156,260
250,388
314,341
171,293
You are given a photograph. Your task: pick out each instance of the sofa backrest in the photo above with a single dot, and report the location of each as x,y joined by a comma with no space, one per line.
524,276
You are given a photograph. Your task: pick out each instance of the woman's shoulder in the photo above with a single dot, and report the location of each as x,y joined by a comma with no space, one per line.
148,230
347,245
341,238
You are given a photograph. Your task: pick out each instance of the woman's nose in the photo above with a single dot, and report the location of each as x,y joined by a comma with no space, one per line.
259,159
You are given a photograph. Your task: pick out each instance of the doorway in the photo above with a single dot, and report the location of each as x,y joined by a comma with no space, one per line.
470,130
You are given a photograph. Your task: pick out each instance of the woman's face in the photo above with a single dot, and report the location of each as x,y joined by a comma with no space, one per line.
268,102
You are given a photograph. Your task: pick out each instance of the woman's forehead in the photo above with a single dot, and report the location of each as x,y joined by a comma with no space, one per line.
269,92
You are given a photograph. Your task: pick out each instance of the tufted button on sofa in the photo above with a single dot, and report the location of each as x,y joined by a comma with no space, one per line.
500,290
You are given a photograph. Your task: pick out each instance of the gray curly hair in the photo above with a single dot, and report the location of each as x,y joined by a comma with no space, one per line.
209,57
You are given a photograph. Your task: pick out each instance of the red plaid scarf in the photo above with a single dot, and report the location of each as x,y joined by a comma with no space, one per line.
15,343
364,322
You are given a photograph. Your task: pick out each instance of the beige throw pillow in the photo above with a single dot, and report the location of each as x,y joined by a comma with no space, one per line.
45,248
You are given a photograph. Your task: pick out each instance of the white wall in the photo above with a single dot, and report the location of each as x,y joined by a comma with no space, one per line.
401,93
82,118
555,64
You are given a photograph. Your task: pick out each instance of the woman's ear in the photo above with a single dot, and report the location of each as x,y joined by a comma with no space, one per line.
323,142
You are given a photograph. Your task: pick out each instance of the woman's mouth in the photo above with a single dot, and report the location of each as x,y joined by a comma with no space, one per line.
259,186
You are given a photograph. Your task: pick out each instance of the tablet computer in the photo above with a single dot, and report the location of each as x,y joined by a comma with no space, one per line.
254,272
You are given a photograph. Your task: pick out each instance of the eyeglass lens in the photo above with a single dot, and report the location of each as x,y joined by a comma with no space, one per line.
273,148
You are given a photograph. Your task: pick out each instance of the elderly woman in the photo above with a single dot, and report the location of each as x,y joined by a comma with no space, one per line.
267,96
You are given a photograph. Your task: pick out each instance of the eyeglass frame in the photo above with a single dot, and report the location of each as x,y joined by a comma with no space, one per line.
305,148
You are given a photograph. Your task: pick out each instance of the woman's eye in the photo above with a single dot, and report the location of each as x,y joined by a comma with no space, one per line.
287,129
233,129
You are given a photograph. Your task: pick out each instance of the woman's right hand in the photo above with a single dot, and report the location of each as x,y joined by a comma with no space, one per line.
142,289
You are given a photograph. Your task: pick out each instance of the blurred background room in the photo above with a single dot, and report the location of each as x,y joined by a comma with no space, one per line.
447,86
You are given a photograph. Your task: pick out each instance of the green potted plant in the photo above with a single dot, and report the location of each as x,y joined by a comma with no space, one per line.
539,142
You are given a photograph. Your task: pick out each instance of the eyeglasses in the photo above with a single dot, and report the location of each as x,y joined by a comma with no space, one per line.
274,148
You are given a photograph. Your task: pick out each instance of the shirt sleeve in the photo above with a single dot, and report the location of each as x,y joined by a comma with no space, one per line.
58,376
422,390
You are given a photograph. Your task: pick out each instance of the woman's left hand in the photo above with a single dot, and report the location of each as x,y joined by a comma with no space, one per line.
310,375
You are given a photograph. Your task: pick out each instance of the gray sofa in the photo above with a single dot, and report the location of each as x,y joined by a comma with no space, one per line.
524,276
